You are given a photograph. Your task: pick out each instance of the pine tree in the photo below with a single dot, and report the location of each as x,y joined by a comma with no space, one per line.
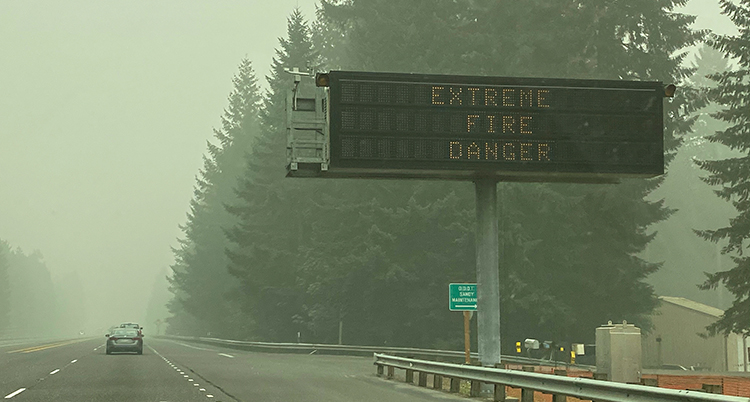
270,211
33,302
200,281
381,271
686,257
158,302
732,93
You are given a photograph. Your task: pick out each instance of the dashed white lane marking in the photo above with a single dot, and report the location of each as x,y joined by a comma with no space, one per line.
55,371
16,392
182,372
73,361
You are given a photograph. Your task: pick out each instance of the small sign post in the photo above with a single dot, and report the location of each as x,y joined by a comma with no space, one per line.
467,337
463,297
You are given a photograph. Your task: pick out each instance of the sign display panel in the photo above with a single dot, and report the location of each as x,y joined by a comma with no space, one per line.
462,296
479,126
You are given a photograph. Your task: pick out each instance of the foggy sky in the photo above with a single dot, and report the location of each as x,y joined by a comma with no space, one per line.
105,110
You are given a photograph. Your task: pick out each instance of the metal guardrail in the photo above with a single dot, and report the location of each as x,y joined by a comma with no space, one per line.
557,385
355,350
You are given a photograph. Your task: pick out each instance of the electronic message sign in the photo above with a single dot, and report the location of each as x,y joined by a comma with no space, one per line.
414,125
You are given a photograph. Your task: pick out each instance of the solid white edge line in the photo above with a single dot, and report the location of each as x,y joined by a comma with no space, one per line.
192,347
12,394
55,371
226,355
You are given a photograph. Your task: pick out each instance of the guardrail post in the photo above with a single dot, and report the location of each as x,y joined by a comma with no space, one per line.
455,385
390,373
410,376
422,379
437,382
476,388
499,394
380,370
559,397
527,395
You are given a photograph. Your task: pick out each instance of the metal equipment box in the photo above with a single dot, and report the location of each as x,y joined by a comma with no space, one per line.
618,352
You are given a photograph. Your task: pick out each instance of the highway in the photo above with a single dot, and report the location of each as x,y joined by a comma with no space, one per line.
171,371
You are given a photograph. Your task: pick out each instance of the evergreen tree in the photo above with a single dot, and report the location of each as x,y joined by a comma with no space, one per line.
270,210
382,271
302,269
686,257
570,251
157,308
33,302
200,281
732,93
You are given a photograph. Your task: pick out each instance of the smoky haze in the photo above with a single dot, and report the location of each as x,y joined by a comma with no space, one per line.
105,110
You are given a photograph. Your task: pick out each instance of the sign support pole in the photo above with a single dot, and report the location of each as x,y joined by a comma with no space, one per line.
488,275
467,337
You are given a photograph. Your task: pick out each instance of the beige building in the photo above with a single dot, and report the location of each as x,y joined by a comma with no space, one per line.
679,337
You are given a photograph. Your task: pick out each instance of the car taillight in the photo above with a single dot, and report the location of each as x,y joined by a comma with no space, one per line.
112,338
137,338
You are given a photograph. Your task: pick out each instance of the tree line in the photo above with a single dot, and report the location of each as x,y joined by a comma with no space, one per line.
265,257
30,299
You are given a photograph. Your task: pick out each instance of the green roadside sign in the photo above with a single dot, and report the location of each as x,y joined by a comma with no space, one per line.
462,296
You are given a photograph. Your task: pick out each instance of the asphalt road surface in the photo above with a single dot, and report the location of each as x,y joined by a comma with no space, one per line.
175,371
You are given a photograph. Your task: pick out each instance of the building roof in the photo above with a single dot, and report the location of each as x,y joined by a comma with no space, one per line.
692,305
